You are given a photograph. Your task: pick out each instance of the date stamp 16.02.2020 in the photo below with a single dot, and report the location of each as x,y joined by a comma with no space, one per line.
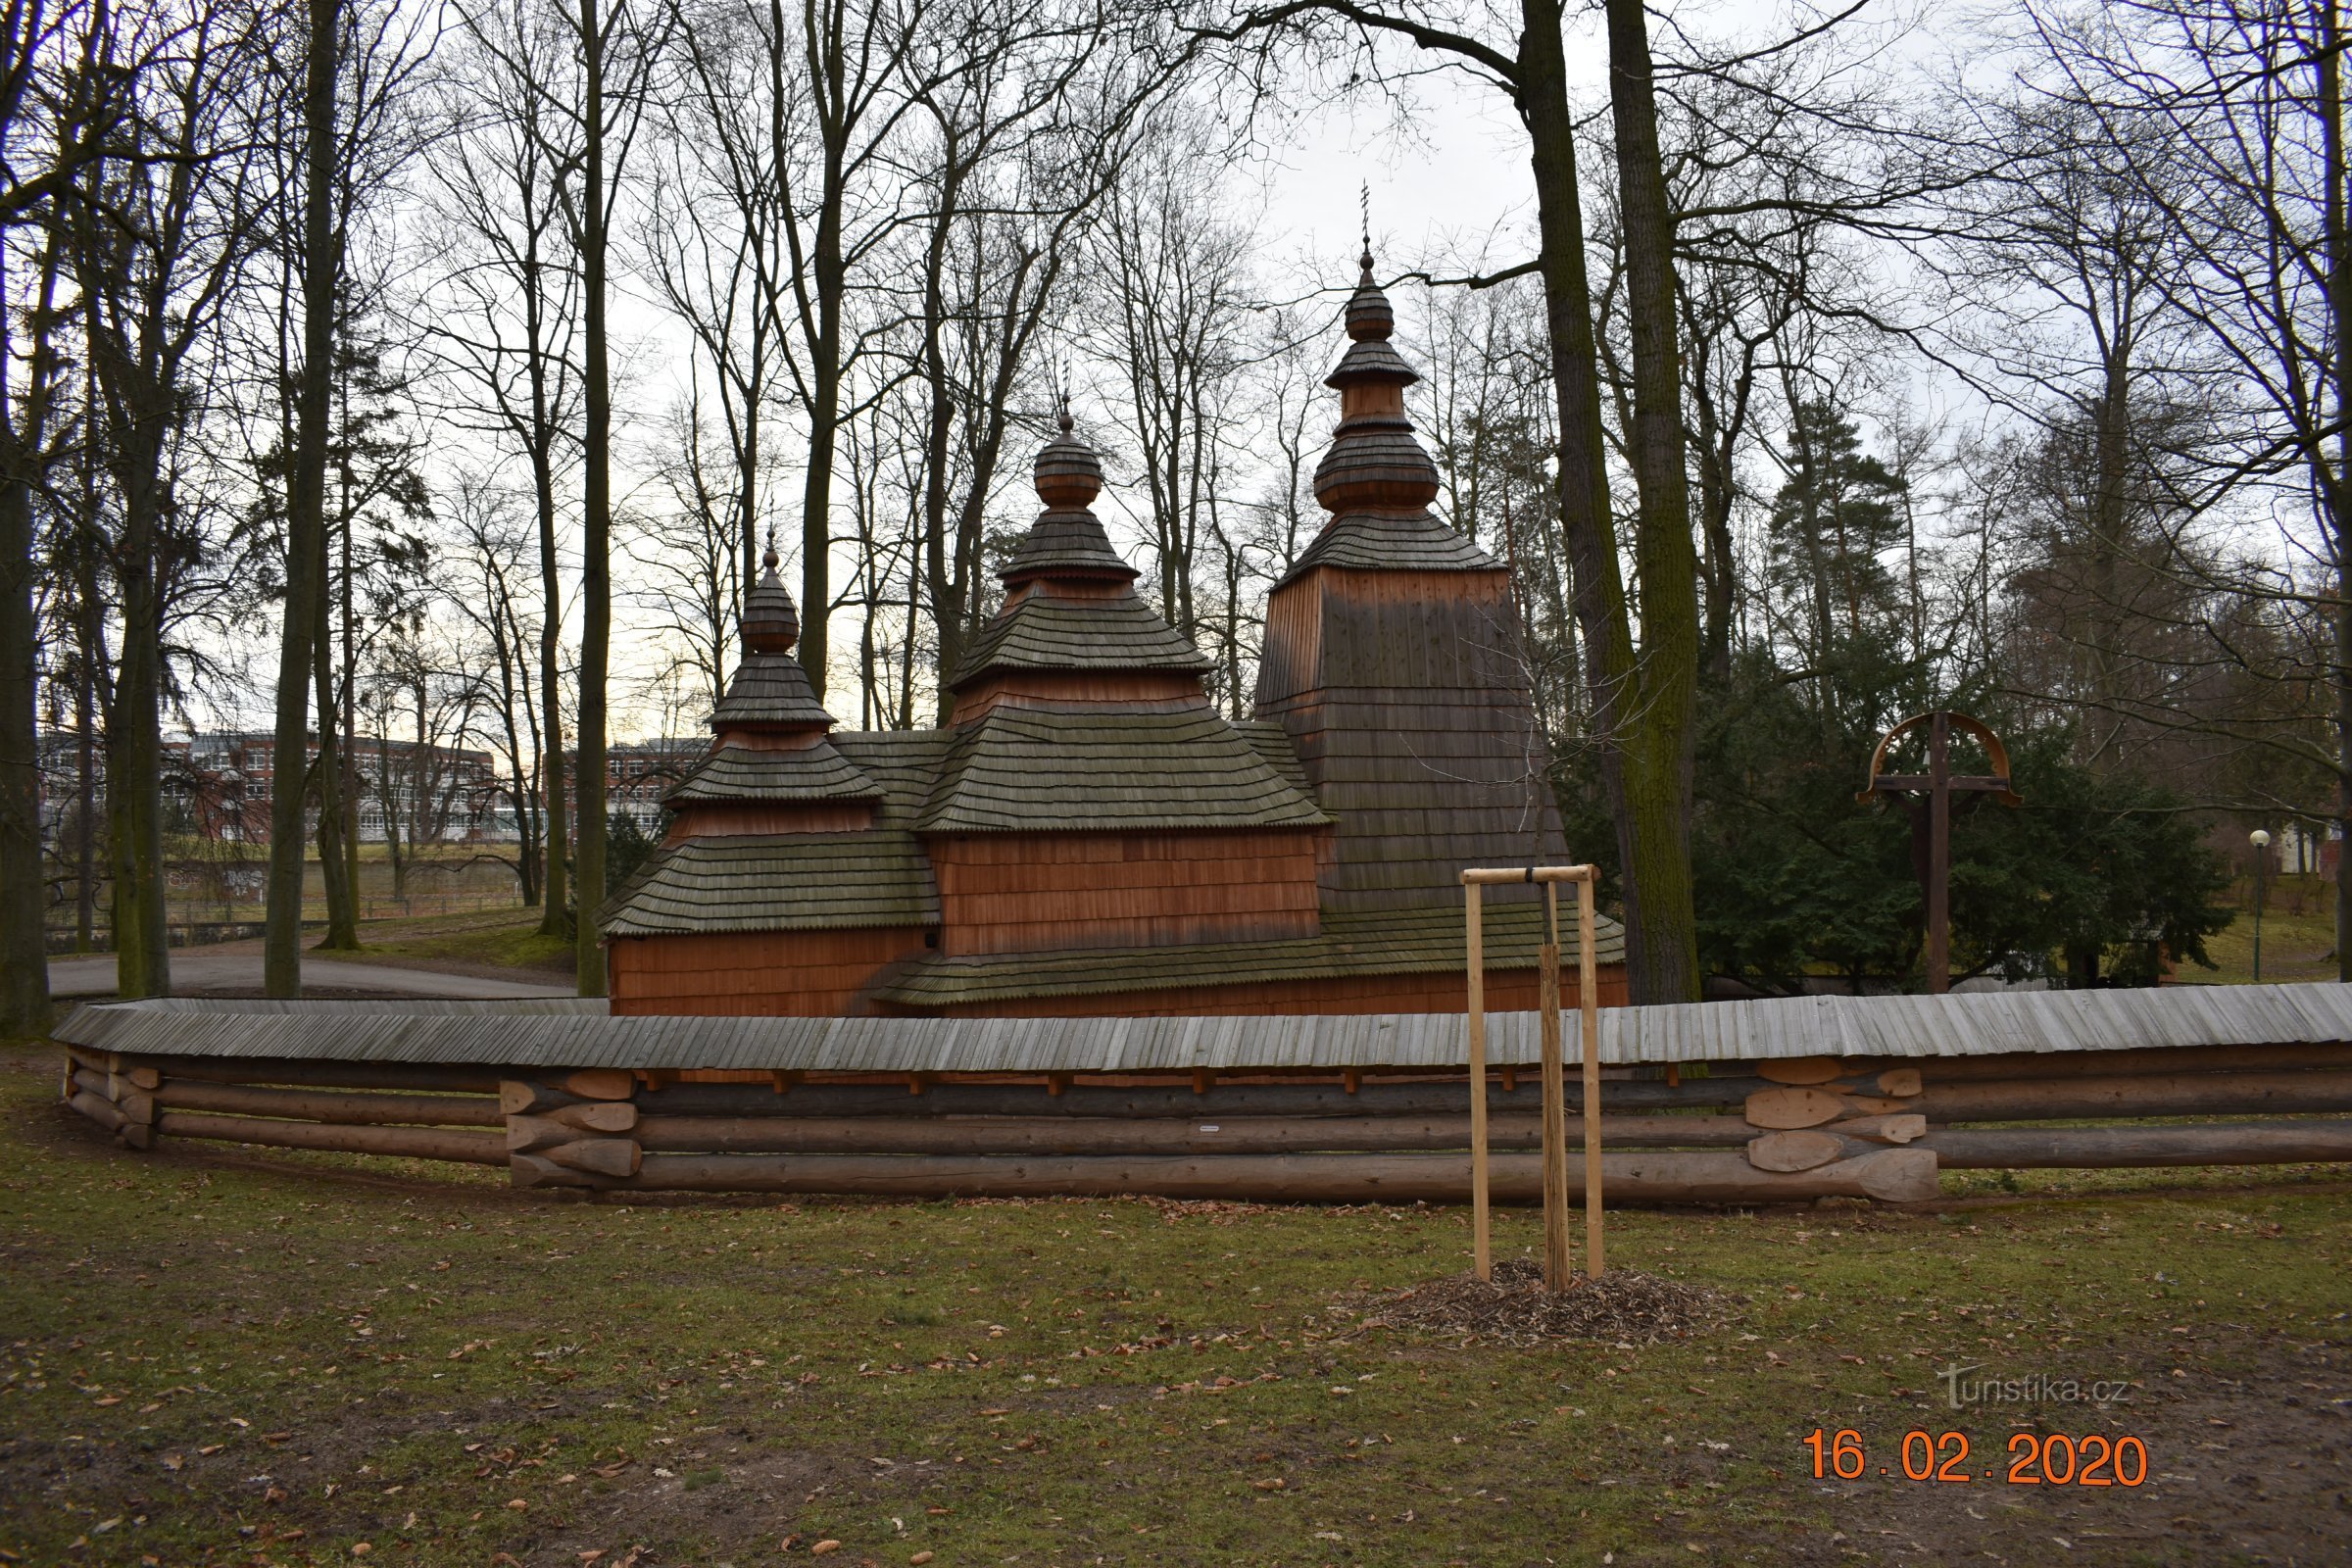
2033,1460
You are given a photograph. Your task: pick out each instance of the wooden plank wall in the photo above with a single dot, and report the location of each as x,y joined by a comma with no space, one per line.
713,819
1137,690
1035,892
1414,722
758,973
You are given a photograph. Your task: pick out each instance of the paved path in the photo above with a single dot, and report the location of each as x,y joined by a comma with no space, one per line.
242,971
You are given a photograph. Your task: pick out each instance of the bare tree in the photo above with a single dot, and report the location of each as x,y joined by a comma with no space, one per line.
1172,315
56,112
2227,120
490,592
508,325
161,241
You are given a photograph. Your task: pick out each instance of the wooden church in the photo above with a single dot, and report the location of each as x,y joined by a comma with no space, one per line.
1085,833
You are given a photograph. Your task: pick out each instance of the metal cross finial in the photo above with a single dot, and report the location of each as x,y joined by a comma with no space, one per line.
768,559
1363,202
1062,372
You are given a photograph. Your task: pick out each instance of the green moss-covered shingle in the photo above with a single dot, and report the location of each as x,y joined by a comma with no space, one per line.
1421,940
809,773
1023,769
783,882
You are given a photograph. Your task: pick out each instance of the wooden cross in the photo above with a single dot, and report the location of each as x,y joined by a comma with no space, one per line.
1931,815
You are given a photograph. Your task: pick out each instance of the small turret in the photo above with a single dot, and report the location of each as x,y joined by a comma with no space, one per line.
770,693
1375,462
770,623
1067,540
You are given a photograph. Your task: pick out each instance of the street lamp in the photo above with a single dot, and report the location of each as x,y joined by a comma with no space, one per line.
2260,838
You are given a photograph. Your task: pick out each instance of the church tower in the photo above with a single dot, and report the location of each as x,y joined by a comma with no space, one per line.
1392,659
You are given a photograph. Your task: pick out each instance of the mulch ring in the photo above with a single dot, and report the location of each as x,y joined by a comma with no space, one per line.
1623,1307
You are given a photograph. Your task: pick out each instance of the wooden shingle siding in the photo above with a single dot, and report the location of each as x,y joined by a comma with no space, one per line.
1135,691
1412,723
1014,894
787,973
742,818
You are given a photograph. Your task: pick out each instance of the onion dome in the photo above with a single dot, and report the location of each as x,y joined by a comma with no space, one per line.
1068,473
1375,464
769,690
771,624
1067,540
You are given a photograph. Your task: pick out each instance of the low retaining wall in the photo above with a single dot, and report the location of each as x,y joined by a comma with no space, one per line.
1782,1129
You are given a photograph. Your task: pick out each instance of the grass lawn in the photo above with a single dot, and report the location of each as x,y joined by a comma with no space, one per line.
215,1357
489,941
2297,944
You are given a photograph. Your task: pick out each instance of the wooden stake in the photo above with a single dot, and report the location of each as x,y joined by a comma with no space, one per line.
1587,1004
1555,1100
1482,1262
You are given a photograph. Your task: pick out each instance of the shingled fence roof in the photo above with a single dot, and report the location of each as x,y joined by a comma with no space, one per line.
579,1034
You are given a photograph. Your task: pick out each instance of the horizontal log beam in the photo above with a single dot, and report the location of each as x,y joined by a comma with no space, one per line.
1891,1174
2113,1147
2207,1093
1114,1134
337,1110
2164,1059
1374,1098
98,1109
413,1077
413,1143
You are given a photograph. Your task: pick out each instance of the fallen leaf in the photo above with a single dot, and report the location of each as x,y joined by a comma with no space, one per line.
823,1546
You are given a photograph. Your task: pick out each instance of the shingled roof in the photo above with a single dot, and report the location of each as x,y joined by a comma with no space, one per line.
1030,769
770,689
806,774
1046,631
904,762
1418,941
783,882
1367,541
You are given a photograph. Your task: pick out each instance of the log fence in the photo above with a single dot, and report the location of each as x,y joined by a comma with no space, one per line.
1745,1133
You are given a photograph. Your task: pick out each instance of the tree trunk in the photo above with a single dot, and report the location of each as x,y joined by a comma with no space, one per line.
85,806
1659,740
134,743
1588,527
305,505
824,427
596,583
24,899
2335,489
343,915
342,929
